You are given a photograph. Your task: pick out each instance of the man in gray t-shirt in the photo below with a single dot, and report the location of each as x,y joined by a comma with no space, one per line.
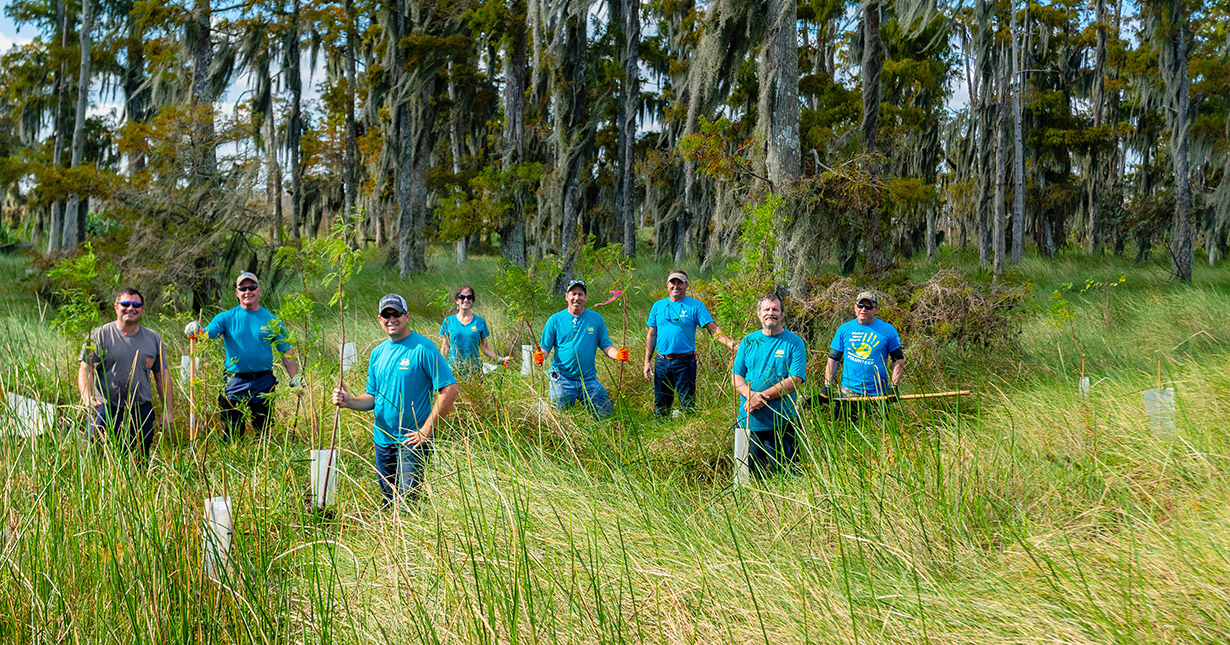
118,364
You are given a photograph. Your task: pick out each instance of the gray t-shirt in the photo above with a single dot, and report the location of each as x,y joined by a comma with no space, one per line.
123,363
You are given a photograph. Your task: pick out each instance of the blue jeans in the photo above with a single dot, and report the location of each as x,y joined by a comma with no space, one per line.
564,391
253,393
672,377
399,471
771,451
132,430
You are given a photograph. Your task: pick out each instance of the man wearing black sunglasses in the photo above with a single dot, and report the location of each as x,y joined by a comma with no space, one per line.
249,334
403,372
864,346
118,363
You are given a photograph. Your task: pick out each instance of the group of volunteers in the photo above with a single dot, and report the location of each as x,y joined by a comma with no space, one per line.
411,385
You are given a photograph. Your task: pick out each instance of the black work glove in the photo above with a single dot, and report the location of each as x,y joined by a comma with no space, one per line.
827,395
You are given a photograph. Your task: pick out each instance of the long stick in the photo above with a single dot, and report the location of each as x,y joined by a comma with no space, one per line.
341,381
885,397
192,389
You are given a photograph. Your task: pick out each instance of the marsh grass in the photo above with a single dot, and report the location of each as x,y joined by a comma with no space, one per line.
1023,513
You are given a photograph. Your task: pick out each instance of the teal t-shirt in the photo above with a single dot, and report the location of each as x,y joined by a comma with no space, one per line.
865,349
402,375
249,338
763,361
464,340
575,339
676,323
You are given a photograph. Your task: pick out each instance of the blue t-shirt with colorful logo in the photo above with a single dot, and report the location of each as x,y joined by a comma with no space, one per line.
402,375
249,338
865,349
764,361
676,323
575,339
464,340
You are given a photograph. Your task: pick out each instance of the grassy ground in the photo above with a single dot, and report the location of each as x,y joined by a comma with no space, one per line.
1024,513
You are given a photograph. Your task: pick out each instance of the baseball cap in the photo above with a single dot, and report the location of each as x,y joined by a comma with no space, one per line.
394,302
678,275
247,275
576,283
868,295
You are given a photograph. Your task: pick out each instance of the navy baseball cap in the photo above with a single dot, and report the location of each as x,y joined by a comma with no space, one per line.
394,302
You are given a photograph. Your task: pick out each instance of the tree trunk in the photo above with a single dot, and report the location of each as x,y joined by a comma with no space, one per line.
273,184
136,97
629,106
350,152
982,42
512,230
778,111
74,220
1175,74
454,144
418,137
1094,176
55,226
998,240
1018,151
200,35
876,255
294,128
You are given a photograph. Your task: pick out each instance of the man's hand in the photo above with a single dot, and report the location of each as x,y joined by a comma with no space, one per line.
94,402
296,383
621,354
755,401
422,436
192,329
730,342
540,357
341,396
648,370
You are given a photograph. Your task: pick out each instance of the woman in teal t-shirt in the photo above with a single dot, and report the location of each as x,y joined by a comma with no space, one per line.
465,335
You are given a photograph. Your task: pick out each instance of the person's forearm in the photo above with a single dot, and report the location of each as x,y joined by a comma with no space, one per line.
290,363
898,371
781,389
486,349
651,340
443,406
829,370
85,382
719,335
612,352
741,386
361,403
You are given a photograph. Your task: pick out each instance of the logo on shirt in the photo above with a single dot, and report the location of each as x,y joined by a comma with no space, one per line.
781,353
589,330
404,364
864,343
149,363
473,327
683,313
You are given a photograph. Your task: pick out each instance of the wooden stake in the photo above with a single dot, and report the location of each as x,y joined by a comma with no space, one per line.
192,389
903,397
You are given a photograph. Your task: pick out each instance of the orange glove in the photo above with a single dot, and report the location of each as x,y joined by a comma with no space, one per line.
540,357
621,354
506,361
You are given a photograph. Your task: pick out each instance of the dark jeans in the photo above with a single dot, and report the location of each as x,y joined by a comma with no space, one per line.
399,471
771,451
251,393
672,377
132,425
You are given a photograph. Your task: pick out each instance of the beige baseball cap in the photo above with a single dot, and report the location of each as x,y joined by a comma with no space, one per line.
678,275
247,275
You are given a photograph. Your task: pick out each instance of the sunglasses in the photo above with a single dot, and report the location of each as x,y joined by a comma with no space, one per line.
863,306
247,287
465,296
389,313
135,305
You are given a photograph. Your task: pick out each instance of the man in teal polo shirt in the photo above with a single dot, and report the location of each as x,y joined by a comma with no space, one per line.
672,323
402,374
576,334
249,334
769,366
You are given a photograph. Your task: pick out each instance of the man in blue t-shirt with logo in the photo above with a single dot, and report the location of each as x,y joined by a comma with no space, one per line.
402,374
770,365
672,334
865,346
249,334
577,334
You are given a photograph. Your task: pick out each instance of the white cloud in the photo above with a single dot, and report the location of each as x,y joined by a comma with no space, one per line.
8,42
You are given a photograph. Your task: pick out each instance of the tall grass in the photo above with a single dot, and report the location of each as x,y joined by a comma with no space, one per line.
1025,513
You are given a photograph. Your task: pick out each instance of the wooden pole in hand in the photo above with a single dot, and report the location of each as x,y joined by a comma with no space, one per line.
192,389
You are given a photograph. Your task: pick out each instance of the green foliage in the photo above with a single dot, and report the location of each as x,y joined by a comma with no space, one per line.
754,272
75,281
526,292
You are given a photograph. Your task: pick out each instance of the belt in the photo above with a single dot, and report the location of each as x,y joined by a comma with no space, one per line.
251,376
678,357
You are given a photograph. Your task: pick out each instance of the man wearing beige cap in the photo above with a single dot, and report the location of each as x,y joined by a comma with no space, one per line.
249,334
869,351
672,334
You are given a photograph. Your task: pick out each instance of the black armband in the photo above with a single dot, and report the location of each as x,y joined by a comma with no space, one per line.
834,354
897,354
